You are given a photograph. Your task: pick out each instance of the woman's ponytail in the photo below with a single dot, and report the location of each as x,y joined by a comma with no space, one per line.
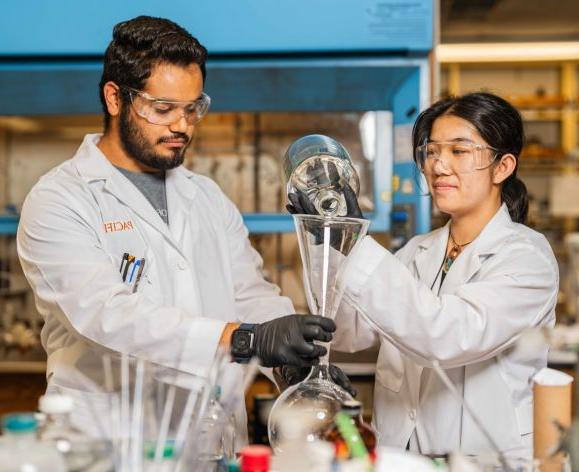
514,194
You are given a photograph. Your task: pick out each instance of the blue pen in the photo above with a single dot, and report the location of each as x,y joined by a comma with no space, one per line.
135,265
139,273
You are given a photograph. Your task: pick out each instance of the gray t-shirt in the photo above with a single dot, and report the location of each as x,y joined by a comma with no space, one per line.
152,186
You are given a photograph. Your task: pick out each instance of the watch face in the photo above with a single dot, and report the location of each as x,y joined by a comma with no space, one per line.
242,342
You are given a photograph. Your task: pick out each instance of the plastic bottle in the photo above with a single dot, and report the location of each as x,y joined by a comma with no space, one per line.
353,409
216,437
255,459
20,451
79,450
320,167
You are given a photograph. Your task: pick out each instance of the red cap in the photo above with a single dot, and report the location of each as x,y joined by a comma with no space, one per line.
255,459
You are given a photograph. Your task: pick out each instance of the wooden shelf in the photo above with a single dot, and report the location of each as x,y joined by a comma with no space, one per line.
559,105
542,165
537,102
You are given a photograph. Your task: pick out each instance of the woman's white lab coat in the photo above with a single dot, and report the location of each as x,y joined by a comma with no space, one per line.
200,271
502,283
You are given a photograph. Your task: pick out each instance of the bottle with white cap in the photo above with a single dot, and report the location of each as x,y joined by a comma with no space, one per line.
79,450
21,451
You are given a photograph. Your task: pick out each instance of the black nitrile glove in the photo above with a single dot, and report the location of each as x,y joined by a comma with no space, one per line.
289,340
292,375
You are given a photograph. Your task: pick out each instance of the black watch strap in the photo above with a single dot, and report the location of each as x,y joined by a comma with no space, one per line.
243,343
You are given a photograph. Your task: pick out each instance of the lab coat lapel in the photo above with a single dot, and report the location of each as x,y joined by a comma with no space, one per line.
126,192
92,165
462,270
430,253
180,194
488,242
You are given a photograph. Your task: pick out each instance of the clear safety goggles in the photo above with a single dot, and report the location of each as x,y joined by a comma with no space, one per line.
159,111
461,157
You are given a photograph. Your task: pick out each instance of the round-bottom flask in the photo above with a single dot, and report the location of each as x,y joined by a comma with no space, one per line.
320,167
316,399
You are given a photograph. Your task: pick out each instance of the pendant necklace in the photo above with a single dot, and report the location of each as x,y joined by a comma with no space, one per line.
455,250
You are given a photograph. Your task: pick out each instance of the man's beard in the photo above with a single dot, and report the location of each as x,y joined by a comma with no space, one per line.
137,146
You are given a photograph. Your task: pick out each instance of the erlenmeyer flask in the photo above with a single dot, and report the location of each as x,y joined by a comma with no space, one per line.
320,167
325,244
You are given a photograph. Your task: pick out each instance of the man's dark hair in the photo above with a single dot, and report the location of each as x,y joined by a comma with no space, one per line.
140,44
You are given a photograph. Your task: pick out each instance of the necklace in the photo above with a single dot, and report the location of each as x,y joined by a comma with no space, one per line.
455,250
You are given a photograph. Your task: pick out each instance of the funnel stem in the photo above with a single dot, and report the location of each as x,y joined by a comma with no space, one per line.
325,359
325,269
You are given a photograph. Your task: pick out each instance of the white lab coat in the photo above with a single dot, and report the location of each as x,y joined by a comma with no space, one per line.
505,281
200,271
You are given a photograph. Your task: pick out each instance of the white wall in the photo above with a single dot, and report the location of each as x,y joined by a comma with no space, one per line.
30,157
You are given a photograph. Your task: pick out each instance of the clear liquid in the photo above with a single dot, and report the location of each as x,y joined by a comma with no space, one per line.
322,178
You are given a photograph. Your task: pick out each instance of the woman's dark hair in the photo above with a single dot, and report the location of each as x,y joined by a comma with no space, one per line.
140,44
498,123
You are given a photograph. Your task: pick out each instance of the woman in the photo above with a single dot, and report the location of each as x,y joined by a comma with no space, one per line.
460,295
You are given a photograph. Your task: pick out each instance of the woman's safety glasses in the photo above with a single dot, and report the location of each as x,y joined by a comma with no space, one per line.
159,111
461,157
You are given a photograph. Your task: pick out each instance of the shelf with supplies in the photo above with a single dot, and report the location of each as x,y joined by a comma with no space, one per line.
543,90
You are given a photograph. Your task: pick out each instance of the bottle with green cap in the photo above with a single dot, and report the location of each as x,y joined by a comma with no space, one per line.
21,451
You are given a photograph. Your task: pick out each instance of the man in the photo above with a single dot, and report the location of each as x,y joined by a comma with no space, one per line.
127,251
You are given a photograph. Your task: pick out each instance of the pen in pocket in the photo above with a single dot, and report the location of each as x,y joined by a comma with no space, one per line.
136,265
130,260
125,256
139,272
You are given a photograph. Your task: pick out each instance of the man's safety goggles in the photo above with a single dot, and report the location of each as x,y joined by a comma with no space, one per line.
159,111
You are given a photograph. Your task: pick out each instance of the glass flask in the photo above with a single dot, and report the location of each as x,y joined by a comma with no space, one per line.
325,244
320,167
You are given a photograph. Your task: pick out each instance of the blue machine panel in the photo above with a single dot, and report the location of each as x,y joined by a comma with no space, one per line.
80,28
410,193
234,85
301,55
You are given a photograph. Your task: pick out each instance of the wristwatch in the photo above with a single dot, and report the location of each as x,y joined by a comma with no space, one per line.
243,343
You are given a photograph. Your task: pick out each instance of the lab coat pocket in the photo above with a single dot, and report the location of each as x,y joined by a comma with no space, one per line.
389,367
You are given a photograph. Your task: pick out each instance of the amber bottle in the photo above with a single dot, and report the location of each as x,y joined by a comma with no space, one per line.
352,408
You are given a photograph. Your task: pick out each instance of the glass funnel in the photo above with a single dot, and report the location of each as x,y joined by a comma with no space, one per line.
320,167
325,244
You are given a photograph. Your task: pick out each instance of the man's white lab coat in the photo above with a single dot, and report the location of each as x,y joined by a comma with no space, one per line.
200,271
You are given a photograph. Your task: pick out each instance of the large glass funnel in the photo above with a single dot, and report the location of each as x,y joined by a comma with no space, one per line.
325,244
320,167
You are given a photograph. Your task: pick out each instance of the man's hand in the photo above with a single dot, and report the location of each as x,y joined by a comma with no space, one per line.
292,375
289,340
